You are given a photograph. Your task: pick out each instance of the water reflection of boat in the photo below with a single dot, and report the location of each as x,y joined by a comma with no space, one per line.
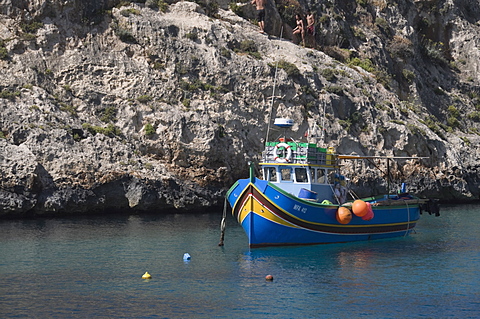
301,199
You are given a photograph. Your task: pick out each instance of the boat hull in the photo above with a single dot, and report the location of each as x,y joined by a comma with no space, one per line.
273,217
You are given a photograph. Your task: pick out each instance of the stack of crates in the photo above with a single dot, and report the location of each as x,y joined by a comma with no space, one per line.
302,153
268,156
305,153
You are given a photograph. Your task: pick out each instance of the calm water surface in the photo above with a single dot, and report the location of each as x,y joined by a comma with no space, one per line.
92,268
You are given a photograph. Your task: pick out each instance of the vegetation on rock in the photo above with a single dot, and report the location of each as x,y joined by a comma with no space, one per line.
136,105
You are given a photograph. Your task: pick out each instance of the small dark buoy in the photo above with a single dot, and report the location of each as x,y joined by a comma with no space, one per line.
269,278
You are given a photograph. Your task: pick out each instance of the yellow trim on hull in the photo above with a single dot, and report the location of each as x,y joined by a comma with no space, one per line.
253,205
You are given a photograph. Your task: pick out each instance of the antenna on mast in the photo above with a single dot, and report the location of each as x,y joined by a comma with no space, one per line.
316,131
273,93
322,134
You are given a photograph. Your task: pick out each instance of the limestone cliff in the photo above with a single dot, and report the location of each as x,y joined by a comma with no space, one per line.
120,105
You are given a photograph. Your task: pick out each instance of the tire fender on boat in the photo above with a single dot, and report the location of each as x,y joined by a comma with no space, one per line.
285,159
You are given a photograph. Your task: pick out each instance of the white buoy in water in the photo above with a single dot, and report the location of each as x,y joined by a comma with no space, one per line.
186,257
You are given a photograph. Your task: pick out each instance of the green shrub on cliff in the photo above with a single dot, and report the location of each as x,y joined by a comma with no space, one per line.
157,4
9,95
128,12
249,47
68,108
144,98
288,9
192,35
111,130
474,116
365,64
149,129
109,114
3,50
290,68
31,27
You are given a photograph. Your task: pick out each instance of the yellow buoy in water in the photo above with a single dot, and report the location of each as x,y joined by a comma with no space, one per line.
146,275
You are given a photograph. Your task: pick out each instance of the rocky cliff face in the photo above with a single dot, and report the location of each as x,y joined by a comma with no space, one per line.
113,105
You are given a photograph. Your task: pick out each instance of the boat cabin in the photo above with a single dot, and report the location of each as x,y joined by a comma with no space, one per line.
301,169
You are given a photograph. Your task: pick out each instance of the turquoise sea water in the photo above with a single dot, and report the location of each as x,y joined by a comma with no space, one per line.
91,267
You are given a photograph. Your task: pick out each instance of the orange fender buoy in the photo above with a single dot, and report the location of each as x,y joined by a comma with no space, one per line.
343,215
369,215
360,208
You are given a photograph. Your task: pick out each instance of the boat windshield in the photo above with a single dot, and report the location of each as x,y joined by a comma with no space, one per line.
270,174
320,176
312,175
286,174
301,175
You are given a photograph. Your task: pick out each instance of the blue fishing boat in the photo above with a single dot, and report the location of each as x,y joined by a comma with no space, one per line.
301,199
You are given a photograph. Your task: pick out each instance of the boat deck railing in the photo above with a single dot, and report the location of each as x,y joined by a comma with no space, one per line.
394,202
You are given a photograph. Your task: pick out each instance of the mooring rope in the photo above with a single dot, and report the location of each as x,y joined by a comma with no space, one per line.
353,194
223,223
408,218
335,195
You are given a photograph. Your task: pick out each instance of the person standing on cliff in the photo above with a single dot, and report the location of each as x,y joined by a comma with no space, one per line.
311,26
260,5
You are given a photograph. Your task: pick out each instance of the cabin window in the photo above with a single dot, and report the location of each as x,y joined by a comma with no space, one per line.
270,174
320,176
286,174
301,175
